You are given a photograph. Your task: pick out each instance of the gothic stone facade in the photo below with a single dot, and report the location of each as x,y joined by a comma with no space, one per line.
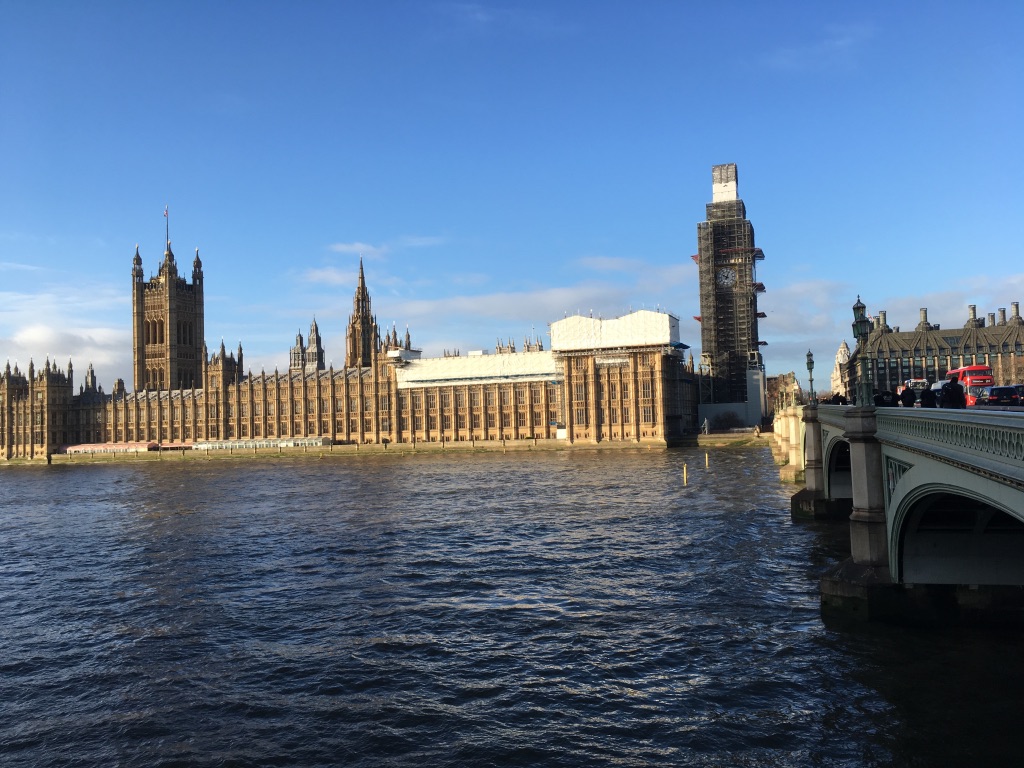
627,382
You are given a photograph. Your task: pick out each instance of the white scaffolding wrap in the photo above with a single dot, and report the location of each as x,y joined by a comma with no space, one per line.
476,369
638,329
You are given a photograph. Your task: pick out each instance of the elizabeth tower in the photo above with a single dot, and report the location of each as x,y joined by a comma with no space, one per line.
726,258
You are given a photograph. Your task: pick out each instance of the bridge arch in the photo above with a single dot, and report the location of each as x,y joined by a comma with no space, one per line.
838,473
835,455
955,529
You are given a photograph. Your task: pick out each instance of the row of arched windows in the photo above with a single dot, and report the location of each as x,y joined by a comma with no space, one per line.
154,378
154,331
184,332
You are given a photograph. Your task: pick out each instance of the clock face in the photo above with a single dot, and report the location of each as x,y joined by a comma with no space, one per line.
726,277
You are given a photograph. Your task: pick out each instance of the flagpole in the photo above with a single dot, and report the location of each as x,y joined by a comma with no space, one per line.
167,229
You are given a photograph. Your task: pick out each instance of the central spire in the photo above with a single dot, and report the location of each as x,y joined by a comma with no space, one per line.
361,301
363,337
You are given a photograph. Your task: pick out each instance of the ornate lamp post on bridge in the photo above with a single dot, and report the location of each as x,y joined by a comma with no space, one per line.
861,331
810,374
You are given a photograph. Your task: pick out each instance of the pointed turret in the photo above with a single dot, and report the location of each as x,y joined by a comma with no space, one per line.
137,273
297,355
313,358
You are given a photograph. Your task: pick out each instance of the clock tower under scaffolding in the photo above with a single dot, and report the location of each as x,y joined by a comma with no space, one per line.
726,259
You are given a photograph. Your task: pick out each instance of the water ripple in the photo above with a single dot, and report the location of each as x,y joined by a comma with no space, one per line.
570,609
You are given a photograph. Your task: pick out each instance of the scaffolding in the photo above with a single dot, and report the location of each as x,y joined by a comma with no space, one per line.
726,259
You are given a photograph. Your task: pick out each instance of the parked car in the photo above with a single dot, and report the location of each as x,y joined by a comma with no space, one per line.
1002,396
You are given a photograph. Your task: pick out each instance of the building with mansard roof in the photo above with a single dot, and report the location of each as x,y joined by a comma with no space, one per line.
624,380
928,351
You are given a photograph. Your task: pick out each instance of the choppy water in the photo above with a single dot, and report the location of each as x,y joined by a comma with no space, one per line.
561,609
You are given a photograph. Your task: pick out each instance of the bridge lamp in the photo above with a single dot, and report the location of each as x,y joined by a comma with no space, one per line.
861,331
810,373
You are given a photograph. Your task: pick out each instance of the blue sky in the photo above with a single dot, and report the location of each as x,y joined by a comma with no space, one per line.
499,165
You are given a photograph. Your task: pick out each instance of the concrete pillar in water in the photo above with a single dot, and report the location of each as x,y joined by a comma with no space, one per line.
793,471
780,447
814,479
868,539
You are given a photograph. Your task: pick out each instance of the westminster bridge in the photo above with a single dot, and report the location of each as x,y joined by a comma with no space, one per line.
935,502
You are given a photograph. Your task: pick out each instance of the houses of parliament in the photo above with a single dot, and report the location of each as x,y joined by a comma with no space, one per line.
620,380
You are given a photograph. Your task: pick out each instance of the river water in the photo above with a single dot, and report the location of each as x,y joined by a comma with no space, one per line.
549,609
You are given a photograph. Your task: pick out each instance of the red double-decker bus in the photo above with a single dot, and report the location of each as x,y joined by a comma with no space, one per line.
974,378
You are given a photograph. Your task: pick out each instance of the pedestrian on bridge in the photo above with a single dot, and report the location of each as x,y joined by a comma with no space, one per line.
928,398
953,394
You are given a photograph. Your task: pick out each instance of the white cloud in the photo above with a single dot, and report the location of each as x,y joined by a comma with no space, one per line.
108,349
401,243
838,48
609,263
525,306
653,281
329,276
363,249
817,314
415,241
492,18
84,323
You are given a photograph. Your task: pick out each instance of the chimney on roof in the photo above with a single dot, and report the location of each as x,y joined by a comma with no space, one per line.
1002,316
991,319
972,317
